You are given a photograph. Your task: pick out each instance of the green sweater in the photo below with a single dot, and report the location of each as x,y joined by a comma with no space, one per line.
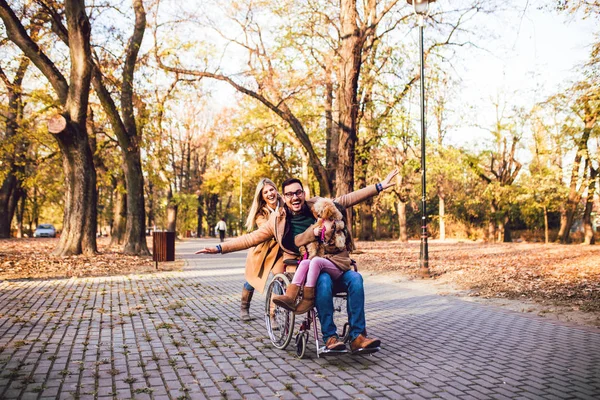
298,224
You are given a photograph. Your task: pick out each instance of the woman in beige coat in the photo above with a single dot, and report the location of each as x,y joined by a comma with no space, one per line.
264,257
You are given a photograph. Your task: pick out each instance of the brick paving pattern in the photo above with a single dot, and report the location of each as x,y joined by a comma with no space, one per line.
176,335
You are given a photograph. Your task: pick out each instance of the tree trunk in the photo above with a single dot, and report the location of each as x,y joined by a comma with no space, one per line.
365,212
150,197
13,203
172,217
35,207
129,138
200,214
331,129
563,225
171,213
575,193
588,228
365,215
80,217
442,214
22,199
492,223
135,232
7,194
349,70
402,221
546,236
506,237
119,223
212,217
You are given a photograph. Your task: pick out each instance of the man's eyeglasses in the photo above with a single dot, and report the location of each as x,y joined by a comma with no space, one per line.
297,193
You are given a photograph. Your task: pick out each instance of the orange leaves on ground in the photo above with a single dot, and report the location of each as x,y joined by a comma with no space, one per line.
565,274
32,258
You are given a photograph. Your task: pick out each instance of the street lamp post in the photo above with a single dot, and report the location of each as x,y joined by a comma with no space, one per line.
421,9
241,224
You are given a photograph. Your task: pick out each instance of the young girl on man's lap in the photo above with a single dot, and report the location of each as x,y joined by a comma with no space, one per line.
335,244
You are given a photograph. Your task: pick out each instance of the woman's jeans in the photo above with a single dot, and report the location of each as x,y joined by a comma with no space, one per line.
248,287
350,282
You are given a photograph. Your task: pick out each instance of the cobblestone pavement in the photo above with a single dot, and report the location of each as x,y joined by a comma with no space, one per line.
176,335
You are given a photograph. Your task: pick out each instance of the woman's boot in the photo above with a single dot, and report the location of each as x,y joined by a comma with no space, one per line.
288,300
273,317
245,309
308,300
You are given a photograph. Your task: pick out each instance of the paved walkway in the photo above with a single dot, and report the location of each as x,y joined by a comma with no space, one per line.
175,335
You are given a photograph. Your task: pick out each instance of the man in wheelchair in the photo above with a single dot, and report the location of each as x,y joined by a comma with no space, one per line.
294,219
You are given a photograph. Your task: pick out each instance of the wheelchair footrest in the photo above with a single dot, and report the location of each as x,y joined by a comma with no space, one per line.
364,352
325,352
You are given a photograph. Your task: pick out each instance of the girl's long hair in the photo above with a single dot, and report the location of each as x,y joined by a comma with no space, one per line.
258,202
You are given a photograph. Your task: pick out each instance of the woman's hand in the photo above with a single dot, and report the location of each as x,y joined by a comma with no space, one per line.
387,182
208,250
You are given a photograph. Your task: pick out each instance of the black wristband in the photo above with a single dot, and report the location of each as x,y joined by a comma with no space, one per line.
379,187
219,248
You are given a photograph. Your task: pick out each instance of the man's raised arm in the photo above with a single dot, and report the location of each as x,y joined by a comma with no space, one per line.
360,195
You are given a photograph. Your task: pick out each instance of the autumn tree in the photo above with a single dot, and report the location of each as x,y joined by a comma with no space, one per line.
542,189
584,103
263,82
13,145
69,127
121,115
498,168
440,109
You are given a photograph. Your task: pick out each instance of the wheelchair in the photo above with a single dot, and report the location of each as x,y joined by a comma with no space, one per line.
280,322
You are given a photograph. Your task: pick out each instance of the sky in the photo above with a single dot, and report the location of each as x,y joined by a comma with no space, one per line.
534,54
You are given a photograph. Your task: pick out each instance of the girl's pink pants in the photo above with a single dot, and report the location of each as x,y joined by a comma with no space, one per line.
309,270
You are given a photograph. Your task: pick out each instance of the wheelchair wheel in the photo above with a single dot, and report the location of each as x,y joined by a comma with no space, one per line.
301,343
279,321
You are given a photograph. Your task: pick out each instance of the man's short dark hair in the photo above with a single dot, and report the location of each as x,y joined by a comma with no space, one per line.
290,181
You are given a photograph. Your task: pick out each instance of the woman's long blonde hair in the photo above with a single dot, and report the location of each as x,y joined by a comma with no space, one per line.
258,202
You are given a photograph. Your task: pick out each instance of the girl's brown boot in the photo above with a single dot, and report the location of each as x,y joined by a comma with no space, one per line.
308,300
288,300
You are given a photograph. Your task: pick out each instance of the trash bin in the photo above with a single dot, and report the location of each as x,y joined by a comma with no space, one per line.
163,246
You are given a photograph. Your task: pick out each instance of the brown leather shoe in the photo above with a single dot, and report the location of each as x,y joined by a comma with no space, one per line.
365,345
334,343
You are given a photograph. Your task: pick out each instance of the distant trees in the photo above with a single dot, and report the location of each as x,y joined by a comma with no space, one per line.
322,90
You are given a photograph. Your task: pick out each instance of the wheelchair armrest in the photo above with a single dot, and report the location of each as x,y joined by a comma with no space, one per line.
292,262
353,264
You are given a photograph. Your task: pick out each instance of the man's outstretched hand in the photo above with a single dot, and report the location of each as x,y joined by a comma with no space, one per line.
208,250
387,182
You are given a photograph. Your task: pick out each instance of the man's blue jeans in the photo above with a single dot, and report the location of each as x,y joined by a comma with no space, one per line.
352,283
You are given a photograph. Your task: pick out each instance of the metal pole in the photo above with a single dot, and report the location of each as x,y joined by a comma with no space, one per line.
241,224
424,256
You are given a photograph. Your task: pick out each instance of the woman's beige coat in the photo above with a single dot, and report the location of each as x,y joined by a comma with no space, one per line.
263,258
